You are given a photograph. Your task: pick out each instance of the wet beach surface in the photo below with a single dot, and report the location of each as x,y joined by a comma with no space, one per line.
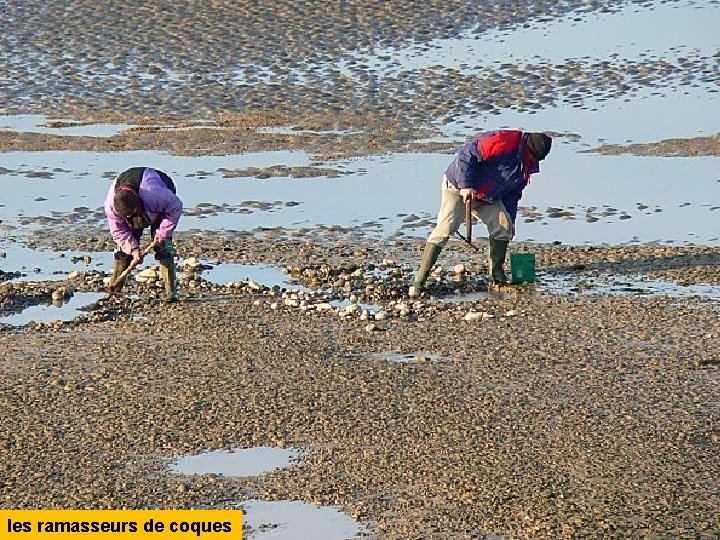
331,76
307,144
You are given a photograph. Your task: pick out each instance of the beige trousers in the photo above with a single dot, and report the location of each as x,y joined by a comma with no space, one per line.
452,214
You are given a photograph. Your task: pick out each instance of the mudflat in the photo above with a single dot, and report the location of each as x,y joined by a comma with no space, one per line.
519,414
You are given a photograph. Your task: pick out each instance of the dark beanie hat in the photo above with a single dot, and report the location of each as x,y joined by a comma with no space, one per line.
539,145
126,201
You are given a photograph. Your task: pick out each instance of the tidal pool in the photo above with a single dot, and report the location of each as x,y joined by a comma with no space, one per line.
616,285
297,520
61,310
405,358
264,274
239,462
286,520
47,265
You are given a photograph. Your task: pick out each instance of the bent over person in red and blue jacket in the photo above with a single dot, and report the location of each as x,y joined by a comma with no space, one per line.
492,171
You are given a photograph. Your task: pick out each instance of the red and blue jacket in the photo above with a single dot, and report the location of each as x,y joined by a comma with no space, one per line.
496,165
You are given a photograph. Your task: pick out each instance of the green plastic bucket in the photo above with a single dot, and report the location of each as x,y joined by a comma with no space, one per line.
522,267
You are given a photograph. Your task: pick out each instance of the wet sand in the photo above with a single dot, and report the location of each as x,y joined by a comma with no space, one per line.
223,72
545,416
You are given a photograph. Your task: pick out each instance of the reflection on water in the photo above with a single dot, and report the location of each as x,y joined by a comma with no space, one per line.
46,265
263,274
55,311
570,180
622,285
286,520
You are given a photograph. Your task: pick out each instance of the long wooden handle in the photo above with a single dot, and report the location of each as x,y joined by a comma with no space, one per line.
468,220
132,265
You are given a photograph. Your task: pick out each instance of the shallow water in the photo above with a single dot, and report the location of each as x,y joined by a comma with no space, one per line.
675,112
608,284
264,274
405,358
377,188
65,310
682,27
38,123
285,520
46,265
239,462
374,192
296,520
672,107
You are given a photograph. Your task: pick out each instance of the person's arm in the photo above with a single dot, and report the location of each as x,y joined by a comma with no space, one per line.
511,200
165,202
119,227
466,162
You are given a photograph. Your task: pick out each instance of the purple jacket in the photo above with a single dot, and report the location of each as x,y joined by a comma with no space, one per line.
161,205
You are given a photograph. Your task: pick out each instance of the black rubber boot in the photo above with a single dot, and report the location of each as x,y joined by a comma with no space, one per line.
498,250
167,271
430,256
121,264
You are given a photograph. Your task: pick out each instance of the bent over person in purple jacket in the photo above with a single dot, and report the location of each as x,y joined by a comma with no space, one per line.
142,197
492,172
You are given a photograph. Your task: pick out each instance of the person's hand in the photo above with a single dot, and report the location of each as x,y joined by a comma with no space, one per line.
467,194
159,240
137,256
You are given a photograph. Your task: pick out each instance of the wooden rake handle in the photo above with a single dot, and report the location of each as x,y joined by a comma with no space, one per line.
132,266
468,220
